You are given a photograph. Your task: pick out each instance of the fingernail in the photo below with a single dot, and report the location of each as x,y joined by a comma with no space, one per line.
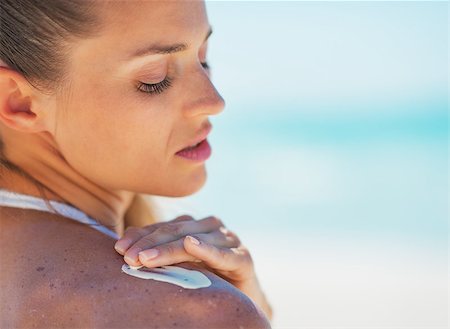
129,260
122,245
148,254
193,240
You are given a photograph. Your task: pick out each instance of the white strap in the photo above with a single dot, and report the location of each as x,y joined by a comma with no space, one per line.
18,200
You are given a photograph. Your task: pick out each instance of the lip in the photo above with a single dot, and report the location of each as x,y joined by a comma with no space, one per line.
200,136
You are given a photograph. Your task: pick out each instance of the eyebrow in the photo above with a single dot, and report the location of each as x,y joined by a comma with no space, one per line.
169,49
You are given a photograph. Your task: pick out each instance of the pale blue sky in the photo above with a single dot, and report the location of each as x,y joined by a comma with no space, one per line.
317,54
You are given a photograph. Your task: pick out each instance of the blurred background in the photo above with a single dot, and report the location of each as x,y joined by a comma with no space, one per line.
330,160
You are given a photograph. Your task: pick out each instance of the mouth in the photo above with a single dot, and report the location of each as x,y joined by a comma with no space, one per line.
198,140
192,147
198,153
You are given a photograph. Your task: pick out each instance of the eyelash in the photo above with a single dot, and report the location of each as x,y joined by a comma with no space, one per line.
158,88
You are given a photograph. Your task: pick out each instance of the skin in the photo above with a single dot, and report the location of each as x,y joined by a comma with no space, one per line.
138,134
136,137
73,285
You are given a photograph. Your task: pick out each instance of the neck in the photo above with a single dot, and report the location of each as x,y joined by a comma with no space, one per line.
38,156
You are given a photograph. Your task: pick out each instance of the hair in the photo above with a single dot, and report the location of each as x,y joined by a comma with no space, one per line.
35,40
35,37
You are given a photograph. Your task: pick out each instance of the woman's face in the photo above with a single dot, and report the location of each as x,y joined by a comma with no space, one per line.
124,138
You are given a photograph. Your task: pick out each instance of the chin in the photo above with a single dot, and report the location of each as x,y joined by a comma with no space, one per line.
182,187
189,189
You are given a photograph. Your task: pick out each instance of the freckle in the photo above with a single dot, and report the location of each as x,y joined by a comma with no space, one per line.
92,287
115,288
175,324
51,285
40,268
81,271
237,309
213,296
65,259
146,290
109,290
104,266
22,286
65,250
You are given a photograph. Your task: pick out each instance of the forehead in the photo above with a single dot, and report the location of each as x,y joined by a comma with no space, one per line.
129,25
182,13
164,19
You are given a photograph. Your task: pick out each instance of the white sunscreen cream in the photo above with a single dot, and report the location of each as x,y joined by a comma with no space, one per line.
180,276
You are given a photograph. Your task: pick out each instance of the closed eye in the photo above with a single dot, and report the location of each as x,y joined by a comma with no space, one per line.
158,88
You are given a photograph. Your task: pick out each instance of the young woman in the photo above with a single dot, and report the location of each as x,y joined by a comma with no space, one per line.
101,101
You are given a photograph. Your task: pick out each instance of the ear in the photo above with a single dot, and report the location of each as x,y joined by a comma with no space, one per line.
22,106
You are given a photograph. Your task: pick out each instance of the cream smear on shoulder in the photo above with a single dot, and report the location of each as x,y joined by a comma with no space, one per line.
189,279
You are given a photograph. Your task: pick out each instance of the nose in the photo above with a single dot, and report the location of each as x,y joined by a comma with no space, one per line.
203,97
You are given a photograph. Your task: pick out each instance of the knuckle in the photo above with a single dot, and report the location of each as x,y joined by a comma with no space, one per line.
225,231
170,249
183,218
167,229
179,229
217,221
147,240
230,235
236,240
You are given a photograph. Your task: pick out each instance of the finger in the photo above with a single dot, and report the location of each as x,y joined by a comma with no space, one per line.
180,229
166,254
225,259
130,236
216,238
170,232
133,234
182,218
219,239
231,236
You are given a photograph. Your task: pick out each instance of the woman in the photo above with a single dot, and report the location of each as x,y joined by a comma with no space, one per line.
99,102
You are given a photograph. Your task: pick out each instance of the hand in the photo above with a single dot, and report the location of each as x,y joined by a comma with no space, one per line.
218,248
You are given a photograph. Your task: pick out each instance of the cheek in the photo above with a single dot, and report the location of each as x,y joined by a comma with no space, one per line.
112,139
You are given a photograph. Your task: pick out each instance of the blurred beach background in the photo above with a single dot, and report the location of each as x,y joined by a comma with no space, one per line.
330,160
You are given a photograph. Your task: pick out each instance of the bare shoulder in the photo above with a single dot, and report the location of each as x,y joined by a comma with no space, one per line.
60,273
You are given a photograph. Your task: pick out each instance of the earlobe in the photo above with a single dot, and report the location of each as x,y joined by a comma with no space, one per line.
17,109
